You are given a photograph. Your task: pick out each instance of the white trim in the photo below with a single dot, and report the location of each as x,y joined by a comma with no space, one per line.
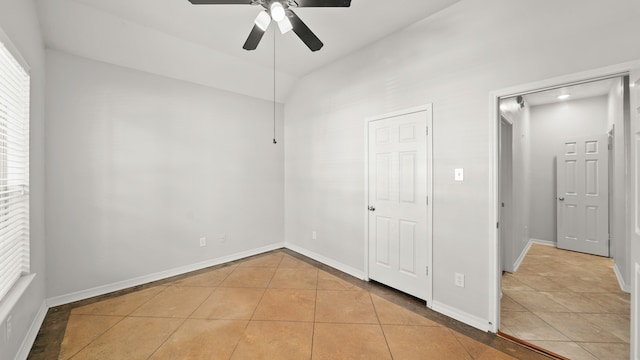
30,337
428,108
327,261
623,286
6,41
14,295
471,320
544,242
520,258
494,121
105,289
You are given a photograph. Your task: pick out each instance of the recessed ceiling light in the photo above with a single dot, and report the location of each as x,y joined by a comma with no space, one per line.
563,97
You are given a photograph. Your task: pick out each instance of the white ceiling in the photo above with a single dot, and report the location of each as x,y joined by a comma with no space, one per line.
163,35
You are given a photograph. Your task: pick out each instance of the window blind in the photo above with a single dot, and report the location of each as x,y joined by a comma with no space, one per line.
14,171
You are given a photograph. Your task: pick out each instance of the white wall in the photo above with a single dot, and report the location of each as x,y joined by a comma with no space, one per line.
620,246
19,22
550,125
453,60
139,167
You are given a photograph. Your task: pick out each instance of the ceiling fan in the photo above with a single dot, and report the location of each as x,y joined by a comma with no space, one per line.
280,11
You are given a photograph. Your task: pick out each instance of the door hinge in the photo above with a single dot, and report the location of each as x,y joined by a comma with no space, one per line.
427,200
498,225
427,271
427,130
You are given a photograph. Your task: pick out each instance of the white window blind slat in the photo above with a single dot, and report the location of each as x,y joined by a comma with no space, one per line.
14,171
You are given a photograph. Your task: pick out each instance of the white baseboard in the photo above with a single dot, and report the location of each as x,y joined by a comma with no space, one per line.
461,316
105,289
623,286
327,261
520,258
30,337
544,242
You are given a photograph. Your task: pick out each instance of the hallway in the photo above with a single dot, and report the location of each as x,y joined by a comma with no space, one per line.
567,302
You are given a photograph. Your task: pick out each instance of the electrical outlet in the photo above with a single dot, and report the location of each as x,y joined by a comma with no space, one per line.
459,281
223,238
314,236
9,324
203,241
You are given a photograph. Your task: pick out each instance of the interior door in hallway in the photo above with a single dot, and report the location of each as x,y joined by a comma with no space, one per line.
583,195
399,183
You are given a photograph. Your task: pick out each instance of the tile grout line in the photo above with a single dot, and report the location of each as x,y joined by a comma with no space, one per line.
256,308
315,314
384,334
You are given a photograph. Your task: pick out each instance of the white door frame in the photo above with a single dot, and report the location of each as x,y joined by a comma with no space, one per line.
494,126
365,210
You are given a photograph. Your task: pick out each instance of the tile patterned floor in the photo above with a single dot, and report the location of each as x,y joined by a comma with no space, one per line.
567,302
274,306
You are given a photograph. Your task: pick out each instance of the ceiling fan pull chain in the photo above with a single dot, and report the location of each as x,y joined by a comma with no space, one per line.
274,86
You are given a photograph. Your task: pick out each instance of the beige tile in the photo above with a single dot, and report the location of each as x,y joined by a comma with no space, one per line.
614,303
577,328
327,281
82,330
535,301
253,277
345,307
575,302
211,278
480,351
511,282
608,351
289,262
540,283
202,339
286,305
392,314
508,304
568,349
121,305
414,342
528,326
275,340
618,325
174,301
269,260
349,341
132,338
300,278
229,303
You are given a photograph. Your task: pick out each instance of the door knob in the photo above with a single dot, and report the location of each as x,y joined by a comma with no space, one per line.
561,198
371,208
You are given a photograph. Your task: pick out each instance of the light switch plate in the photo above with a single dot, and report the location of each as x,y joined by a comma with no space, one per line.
459,174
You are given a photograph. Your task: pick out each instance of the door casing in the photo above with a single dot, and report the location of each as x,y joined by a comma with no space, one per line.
614,71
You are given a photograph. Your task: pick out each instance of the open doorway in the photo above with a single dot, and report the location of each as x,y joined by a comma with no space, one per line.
562,243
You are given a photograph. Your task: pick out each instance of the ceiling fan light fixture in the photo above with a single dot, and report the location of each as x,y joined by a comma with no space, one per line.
277,11
263,20
285,25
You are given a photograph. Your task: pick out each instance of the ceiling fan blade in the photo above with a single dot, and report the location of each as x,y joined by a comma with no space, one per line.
254,38
304,33
221,2
321,3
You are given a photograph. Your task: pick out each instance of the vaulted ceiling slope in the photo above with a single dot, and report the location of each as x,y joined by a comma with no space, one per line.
203,43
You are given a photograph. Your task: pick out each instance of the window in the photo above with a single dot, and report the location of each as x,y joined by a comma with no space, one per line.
14,171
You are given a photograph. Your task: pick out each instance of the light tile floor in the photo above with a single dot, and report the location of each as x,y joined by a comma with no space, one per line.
273,306
567,302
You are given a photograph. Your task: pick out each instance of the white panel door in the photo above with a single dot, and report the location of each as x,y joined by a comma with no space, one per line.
634,205
398,184
583,195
